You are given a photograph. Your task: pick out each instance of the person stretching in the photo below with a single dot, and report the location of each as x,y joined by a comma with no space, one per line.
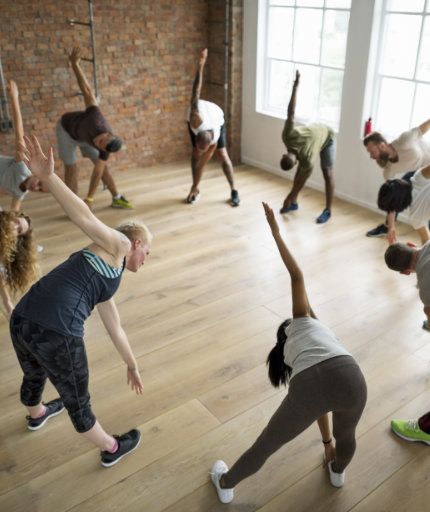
304,144
323,377
207,131
397,195
47,325
89,131
15,176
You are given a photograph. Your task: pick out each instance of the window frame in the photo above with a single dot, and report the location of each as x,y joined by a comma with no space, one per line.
264,62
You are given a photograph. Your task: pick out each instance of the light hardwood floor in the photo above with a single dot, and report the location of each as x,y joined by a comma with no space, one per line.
201,317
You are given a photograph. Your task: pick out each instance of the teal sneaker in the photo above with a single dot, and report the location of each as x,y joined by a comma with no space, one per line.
121,202
409,430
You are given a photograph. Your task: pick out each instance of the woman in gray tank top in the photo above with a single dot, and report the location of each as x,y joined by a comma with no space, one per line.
323,377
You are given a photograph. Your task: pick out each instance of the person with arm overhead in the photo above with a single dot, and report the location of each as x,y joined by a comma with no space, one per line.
47,325
207,131
89,131
322,376
303,145
15,176
404,155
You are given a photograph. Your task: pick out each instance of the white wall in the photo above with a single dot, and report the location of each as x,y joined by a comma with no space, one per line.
357,177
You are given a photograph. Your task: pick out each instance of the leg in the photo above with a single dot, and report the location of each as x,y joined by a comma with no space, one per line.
108,180
329,187
96,176
198,161
71,177
298,183
294,415
227,166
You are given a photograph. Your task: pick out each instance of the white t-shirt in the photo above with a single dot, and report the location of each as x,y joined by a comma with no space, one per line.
309,342
12,174
413,152
423,273
213,119
419,211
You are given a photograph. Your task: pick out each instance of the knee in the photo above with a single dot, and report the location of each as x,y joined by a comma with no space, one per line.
83,419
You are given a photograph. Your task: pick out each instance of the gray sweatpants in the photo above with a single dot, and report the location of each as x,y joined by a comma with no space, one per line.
336,385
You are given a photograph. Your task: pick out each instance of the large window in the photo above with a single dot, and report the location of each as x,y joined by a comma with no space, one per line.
308,35
402,97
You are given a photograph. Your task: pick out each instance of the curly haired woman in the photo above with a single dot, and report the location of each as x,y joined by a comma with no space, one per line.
18,266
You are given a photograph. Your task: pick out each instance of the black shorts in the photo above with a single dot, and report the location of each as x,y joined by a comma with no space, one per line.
221,140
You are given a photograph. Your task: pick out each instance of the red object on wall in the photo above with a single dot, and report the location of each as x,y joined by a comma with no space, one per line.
368,126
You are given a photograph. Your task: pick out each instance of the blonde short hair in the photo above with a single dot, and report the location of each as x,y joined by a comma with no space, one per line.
135,230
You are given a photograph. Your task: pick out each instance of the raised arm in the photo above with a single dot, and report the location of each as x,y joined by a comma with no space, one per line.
75,58
301,306
17,120
112,241
195,119
292,104
5,297
110,318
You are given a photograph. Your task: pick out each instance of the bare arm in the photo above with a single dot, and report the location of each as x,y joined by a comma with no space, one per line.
424,234
15,204
391,222
301,306
110,318
112,241
292,104
5,296
195,119
424,127
329,449
17,120
84,85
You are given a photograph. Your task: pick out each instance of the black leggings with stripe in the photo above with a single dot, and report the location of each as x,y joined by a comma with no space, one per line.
62,359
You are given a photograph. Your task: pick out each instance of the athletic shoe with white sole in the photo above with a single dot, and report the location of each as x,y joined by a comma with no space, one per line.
218,469
53,408
409,430
336,479
126,444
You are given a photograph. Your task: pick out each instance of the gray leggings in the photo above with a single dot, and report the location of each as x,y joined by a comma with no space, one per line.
336,385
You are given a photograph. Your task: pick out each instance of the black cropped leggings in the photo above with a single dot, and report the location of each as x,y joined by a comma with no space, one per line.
46,354
335,385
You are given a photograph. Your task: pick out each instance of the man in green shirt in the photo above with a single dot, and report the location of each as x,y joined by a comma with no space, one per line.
304,144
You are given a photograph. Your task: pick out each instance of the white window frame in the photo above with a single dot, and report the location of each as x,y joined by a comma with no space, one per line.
378,76
263,63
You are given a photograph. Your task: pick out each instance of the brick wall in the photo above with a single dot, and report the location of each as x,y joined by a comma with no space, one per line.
146,58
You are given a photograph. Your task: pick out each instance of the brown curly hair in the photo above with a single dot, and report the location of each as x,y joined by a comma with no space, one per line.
18,254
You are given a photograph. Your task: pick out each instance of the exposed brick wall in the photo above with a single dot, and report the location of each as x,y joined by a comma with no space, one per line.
146,59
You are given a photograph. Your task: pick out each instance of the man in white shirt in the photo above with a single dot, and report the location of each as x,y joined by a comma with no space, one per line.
406,153
207,132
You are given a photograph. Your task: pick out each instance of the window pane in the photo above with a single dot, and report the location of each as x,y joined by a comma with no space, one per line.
281,2
423,68
307,35
279,85
393,115
405,5
342,4
279,32
421,107
307,95
310,3
330,95
334,38
402,32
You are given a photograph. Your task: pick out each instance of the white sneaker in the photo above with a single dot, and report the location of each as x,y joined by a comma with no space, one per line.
218,469
336,479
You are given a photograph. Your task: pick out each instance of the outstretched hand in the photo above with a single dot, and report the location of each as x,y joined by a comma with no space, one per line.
134,380
329,453
75,55
40,165
203,57
270,216
13,88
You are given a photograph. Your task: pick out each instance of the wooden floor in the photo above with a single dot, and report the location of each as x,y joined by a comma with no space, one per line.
201,317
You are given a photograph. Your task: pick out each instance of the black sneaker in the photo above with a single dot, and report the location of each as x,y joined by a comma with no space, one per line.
235,199
126,444
53,408
380,230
